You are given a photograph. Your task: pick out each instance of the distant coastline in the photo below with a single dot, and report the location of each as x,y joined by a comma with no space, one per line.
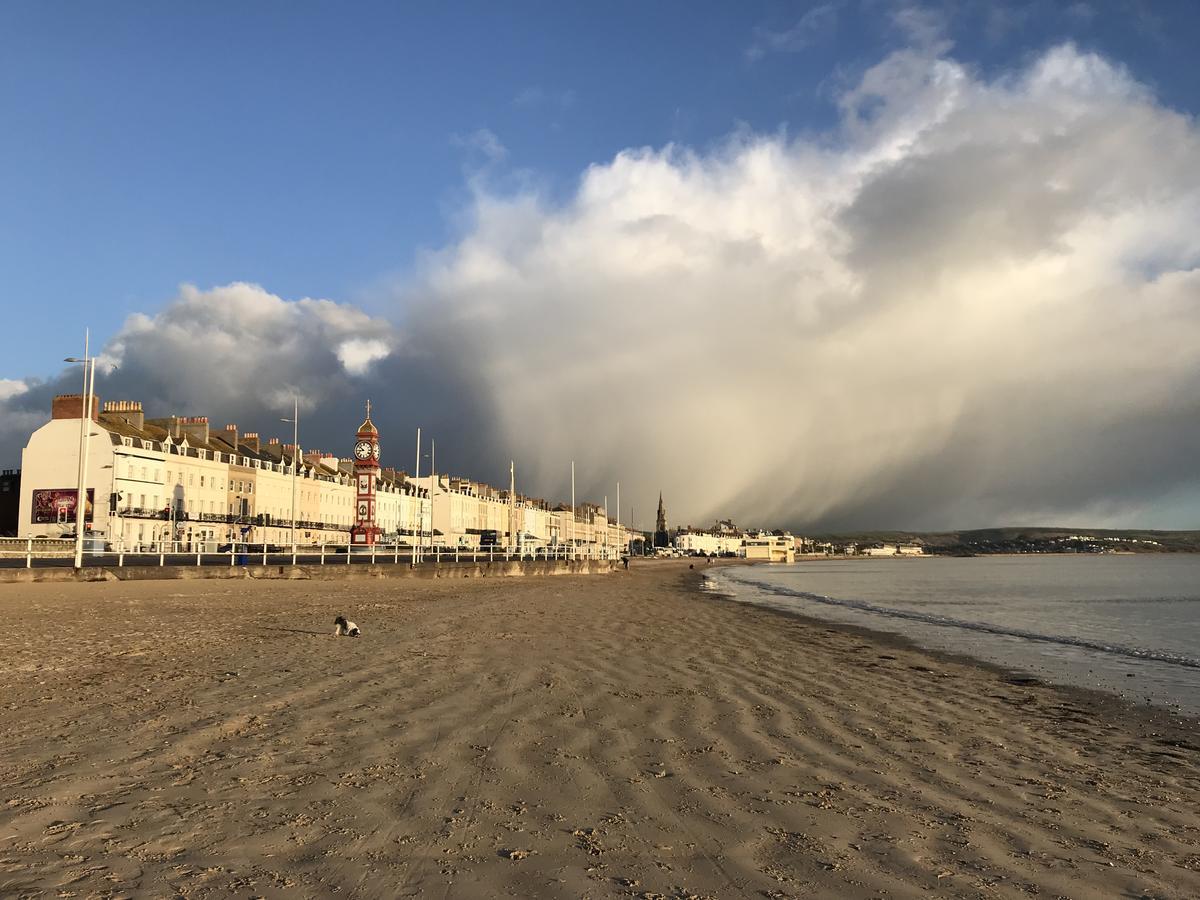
1022,541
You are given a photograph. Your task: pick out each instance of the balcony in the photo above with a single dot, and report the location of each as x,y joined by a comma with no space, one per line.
140,512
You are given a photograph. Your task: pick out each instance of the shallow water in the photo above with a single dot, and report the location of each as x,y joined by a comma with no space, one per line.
1125,624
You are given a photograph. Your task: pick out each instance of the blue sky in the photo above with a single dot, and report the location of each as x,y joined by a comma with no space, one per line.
316,148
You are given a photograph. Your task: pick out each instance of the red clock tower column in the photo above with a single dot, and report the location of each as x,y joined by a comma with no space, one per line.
366,474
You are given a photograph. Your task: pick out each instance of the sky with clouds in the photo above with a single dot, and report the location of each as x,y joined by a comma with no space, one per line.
827,265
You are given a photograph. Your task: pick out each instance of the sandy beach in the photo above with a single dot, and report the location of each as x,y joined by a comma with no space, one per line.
613,735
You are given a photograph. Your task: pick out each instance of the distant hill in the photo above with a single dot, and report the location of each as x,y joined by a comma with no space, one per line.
1031,540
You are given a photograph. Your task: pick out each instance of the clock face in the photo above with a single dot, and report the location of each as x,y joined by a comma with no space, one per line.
362,450
375,451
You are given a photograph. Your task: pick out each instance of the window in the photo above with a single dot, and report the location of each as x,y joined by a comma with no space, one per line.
168,475
128,442
143,473
201,481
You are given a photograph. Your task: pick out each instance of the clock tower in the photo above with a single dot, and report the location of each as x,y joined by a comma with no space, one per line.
366,475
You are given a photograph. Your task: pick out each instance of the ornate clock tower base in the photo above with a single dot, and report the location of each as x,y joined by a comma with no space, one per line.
366,476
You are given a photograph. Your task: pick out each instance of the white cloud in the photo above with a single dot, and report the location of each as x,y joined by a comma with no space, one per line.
972,302
815,25
484,142
922,25
236,353
11,387
357,354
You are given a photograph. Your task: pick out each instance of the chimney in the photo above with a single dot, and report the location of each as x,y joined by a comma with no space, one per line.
127,411
71,406
273,442
171,424
230,435
250,439
195,427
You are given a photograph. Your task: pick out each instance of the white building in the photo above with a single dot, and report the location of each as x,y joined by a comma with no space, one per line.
175,480
780,548
707,542
880,550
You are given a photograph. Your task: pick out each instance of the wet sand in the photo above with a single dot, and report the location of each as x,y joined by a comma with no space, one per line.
602,736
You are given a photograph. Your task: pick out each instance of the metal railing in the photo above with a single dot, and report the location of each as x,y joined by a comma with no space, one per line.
198,553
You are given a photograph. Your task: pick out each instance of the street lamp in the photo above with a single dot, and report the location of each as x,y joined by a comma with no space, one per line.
619,541
295,420
89,382
432,486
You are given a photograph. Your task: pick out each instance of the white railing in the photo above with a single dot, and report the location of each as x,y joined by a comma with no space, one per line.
28,552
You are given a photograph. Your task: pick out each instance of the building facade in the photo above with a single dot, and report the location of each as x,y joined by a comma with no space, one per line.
177,482
707,542
769,547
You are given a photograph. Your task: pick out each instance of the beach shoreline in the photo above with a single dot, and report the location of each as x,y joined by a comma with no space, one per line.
621,735
1178,722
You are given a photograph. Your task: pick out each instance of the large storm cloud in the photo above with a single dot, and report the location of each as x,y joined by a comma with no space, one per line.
973,301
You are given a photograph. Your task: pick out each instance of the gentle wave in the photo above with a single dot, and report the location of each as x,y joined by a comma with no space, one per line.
1162,656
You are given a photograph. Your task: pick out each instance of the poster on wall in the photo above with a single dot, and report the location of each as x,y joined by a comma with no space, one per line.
58,505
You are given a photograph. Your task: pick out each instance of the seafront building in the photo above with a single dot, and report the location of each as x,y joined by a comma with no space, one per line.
177,480
725,539
884,549
769,547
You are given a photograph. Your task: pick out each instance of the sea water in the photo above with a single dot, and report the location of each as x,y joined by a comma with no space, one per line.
1128,624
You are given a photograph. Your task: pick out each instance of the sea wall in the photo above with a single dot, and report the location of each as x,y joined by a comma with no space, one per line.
329,572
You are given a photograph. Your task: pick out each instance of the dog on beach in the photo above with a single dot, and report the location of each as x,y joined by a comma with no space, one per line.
343,628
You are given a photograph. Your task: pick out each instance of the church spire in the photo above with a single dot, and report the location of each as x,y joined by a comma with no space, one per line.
661,537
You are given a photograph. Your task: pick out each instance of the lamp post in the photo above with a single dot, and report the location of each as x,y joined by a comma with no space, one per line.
295,420
515,543
606,526
85,420
620,542
114,510
429,456
432,487
419,530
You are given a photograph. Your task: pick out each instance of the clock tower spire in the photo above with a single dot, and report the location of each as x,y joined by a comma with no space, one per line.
366,477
